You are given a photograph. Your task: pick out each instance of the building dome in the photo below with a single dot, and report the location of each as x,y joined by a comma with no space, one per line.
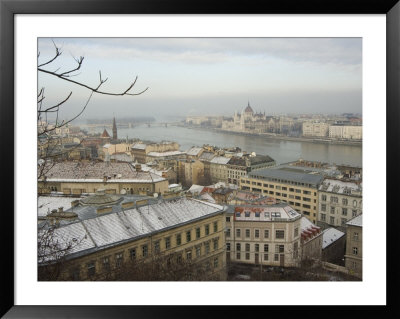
101,199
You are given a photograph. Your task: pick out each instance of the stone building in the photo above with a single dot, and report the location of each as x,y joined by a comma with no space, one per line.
339,201
87,177
353,256
263,234
140,150
315,129
162,235
333,246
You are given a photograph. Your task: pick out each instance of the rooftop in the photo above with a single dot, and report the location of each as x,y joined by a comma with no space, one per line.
340,187
194,151
356,221
220,160
70,171
285,176
116,228
275,212
330,235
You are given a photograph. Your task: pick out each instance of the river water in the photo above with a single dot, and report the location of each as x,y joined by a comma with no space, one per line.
280,150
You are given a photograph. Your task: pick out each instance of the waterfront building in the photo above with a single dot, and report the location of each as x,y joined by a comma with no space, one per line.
348,132
353,256
315,129
339,201
177,239
297,187
87,177
263,234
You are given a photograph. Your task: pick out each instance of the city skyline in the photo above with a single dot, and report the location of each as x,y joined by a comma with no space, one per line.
194,76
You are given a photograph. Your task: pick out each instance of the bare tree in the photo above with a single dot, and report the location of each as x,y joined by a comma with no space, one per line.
47,140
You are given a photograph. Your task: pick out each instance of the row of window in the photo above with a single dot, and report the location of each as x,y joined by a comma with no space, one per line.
343,221
284,188
278,248
282,181
343,210
279,233
335,200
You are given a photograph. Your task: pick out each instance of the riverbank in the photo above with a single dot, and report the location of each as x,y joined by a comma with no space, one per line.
272,136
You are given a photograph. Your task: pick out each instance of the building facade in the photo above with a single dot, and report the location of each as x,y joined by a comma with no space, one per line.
339,201
353,256
300,190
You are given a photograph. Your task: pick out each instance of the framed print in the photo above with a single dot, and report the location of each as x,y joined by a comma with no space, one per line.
222,51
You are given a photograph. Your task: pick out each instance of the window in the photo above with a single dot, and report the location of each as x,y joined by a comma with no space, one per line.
291,189
207,229
355,250
334,199
207,247
198,251
228,232
257,247
237,214
238,247
179,258
197,232
238,256
276,257
188,236
279,248
266,233
216,262
215,243
247,247
332,210
257,233
247,233
238,232
178,239
332,220
280,234
266,215
278,187
145,250
354,203
75,273
323,207
215,227
355,236
307,192
265,256
189,255
247,256
354,213
119,259
157,247
296,232
344,211
132,253
228,219
344,201
168,243
343,221
257,214
246,214
323,217
106,263
266,248
228,246
91,269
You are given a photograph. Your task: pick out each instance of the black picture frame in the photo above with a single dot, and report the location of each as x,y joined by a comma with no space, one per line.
8,10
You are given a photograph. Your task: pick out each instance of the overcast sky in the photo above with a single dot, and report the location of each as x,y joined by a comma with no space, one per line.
206,76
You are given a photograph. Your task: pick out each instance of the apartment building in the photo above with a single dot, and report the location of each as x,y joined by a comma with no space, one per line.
339,201
316,129
353,256
263,234
219,169
181,231
297,188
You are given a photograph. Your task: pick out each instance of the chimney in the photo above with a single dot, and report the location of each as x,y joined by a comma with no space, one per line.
138,167
60,209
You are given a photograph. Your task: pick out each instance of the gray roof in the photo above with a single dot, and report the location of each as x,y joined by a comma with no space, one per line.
284,175
356,221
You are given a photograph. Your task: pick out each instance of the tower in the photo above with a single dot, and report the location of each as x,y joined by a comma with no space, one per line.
114,130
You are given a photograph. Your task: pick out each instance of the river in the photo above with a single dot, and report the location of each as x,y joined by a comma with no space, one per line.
280,150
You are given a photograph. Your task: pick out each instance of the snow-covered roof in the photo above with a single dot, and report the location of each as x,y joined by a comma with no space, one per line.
220,160
117,172
207,197
173,185
107,145
113,229
274,212
47,203
340,187
165,154
330,235
195,188
194,151
356,221
139,146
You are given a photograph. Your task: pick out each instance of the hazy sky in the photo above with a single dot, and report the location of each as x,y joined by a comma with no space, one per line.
205,76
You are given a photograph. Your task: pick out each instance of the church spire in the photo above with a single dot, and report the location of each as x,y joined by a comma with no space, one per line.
114,130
